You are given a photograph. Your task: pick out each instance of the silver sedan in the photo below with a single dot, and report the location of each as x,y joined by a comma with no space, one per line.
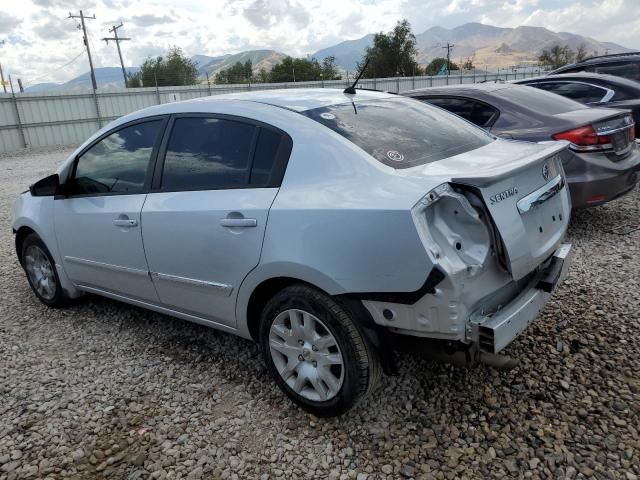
320,224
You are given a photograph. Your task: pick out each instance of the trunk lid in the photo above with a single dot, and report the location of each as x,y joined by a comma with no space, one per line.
523,187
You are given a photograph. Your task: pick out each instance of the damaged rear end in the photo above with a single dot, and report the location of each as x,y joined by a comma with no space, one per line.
494,231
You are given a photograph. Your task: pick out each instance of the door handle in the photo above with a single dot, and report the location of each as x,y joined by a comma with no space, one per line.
238,222
125,222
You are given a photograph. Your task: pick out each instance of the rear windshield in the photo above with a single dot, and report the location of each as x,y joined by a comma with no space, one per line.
401,132
538,100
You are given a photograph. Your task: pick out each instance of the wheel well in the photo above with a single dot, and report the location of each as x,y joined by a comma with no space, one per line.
21,234
261,295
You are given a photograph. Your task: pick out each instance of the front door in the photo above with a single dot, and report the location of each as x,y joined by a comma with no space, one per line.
204,222
97,223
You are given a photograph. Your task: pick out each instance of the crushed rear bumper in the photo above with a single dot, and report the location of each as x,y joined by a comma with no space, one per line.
494,332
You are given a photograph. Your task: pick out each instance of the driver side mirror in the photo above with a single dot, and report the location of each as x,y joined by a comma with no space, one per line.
46,187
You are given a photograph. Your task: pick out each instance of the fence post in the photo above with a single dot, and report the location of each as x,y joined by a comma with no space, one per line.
208,84
375,83
397,84
95,101
413,83
155,77
17,110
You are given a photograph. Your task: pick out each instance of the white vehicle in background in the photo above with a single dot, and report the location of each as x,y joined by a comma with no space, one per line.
315,222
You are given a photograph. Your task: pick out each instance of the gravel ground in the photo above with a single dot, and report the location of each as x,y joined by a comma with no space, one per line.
105,390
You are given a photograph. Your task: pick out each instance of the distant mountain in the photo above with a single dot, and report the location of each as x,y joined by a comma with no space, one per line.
42,87
494,47
106,77
202,61
348,53
259,59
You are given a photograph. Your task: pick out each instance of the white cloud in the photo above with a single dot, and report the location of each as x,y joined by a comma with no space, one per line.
40,38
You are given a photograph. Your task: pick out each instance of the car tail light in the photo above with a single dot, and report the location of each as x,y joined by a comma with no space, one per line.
584,139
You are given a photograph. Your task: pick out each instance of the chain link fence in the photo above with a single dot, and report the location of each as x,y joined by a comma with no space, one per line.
30,120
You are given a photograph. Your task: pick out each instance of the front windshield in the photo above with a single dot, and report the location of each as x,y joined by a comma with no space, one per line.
401,132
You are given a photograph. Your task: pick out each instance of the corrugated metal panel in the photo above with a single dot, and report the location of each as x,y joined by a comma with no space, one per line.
71,117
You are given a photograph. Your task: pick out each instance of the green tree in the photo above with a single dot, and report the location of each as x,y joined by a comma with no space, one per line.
436,66
263,76
134,80
466,65
237,73
581,53
304,70
330,69
172,69
557,56
392,53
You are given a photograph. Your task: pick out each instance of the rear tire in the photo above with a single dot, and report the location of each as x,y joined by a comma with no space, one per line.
41,272
316,352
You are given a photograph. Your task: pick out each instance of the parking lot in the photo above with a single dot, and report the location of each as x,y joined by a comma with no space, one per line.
106,390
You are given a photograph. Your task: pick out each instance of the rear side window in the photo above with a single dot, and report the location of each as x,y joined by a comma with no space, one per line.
580,92
477,113
537,100
627,70
118,163
270,149
401,132
208,153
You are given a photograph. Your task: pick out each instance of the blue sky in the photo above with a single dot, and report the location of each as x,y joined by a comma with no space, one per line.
40,40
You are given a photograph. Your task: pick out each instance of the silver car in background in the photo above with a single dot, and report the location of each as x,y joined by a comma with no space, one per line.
319,224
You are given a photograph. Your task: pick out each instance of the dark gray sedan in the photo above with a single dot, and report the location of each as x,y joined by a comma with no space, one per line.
606,159
593,89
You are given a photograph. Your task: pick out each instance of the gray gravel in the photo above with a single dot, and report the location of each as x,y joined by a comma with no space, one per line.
105,390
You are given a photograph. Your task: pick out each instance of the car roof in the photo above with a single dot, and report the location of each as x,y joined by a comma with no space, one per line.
584,76
298,99
614,57
487,87
602,59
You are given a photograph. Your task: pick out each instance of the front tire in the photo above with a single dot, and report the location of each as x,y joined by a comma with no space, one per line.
41,272
315,351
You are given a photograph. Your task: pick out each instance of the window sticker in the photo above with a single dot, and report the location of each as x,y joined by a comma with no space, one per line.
395,155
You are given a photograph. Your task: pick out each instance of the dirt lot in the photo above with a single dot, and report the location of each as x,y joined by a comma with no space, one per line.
105,390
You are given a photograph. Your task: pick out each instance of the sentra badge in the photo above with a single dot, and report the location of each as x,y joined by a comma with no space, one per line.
498,197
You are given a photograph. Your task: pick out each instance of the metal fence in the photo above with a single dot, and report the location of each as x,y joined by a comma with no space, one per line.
41,120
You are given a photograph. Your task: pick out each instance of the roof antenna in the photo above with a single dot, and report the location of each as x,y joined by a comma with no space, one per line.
351,91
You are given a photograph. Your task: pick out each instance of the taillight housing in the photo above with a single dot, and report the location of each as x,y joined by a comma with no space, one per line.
584,139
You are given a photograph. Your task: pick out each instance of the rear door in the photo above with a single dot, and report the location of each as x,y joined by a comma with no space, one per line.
98,222
204,221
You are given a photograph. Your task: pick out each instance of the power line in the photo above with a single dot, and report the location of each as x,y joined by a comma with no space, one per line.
59,68
117,39
86,44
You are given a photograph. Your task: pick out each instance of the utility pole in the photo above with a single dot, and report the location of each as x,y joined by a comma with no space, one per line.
4,86
86,44
449,47
117,39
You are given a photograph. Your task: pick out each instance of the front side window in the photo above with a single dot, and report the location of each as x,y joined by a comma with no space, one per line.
401,132
580,92
119,163
477,113
208,153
